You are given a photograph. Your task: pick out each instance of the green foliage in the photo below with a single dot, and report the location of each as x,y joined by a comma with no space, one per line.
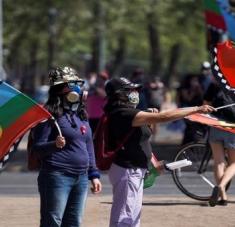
71,26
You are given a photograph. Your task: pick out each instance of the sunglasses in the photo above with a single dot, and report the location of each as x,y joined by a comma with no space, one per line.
76,83
73,86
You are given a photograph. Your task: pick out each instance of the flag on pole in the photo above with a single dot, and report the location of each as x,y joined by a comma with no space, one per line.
213,121
18,113
228,12
213,15
215,22
223,67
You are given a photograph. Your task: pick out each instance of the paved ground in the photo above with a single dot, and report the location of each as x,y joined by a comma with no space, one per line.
164,205
161,210
157,211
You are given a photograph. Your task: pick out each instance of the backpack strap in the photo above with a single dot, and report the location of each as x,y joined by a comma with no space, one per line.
125,139
104,119
120,145
99,125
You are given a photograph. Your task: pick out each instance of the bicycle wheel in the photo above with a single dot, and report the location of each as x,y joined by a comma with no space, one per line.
197,180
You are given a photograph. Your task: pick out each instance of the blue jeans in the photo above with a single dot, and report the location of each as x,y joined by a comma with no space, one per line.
62,198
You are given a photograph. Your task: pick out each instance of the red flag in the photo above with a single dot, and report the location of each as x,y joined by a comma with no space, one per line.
210,120
224,67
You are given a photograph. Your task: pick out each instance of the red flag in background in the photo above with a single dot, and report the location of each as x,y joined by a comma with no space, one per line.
18,113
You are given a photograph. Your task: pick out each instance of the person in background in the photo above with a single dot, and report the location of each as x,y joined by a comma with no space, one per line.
68,161
205,78
165,104
191,93
169,104
96,99
155,91
133,159
41,94
221,142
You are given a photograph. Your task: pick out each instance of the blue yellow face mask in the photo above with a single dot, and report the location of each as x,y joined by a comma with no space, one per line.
74,95
74,92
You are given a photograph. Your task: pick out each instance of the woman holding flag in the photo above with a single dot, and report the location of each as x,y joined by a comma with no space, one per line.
132,160
68,160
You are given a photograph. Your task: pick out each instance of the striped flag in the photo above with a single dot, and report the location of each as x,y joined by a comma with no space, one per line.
223,67
213,121
213,16
215,22
18,113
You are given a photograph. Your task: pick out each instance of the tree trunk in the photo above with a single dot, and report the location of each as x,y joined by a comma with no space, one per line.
29,81
13,62
154,41
173,62
52,13
98,43
119,56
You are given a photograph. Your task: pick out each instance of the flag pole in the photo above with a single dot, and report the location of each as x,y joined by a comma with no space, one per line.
225,106
57,126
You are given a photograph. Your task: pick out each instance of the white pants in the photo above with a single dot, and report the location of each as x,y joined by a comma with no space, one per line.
127,196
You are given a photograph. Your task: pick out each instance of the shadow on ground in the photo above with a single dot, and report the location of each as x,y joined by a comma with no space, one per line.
169,203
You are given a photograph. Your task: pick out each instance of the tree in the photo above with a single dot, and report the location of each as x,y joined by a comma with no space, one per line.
166,38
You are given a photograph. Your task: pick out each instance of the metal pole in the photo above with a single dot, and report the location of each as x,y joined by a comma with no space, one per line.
101,36
52,14
222,107
2,72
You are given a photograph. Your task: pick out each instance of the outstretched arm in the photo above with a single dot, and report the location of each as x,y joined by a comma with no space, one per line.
145,118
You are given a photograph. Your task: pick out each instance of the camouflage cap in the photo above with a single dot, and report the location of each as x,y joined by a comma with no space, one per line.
64,75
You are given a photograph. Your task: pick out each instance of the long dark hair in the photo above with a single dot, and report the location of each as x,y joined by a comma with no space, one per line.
54,103
116,101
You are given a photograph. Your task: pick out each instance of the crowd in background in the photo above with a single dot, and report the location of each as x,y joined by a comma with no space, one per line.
155,93
189,92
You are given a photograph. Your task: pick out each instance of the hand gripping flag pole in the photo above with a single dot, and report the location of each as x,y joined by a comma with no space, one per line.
57,126
214,121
